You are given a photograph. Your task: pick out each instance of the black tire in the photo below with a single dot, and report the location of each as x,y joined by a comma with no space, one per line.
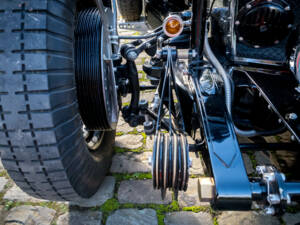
41,142
130,9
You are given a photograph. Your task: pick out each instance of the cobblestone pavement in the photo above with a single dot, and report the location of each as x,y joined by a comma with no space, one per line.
127,197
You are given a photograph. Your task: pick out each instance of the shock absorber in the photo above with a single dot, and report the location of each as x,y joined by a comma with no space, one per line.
170,162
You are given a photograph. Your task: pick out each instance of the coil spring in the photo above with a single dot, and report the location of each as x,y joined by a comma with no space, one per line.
170,163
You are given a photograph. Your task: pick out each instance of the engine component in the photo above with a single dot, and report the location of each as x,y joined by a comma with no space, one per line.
170,162
295,65
264,23
94,76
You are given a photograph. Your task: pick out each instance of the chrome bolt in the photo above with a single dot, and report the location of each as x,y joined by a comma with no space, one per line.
292,116
241,38
279,120
90,144
95,139
237,22
293,138
132,55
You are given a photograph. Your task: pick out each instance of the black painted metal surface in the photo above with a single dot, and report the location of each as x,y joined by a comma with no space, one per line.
278,89
233,190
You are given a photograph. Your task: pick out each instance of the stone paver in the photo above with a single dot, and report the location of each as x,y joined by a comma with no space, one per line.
291,218
3,182
105,192
246,218
1,166
30,215
191,196
123,126
16,194
188,218
149,142
129,141
197,168
126,99
248,164
147,95
262,158
145,83
133,217
141,192
80,218
131,162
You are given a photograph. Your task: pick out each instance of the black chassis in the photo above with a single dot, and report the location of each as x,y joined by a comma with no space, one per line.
208,112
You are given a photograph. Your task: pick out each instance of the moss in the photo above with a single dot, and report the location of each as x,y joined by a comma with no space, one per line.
215,221
4,174
133,132
197,209
197,176
143,60
253,160
110,205
136,176
174,206
119,133
127,206
136,33
160,219
122,150
144,137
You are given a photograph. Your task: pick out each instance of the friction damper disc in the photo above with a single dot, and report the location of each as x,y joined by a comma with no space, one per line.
95,80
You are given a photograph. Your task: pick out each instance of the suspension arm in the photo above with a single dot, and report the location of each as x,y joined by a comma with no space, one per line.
233,189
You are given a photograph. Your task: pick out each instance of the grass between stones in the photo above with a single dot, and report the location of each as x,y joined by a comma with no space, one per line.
113,204
135,176
120,133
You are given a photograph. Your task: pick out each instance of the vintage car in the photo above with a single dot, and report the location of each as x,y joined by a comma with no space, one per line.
222,71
